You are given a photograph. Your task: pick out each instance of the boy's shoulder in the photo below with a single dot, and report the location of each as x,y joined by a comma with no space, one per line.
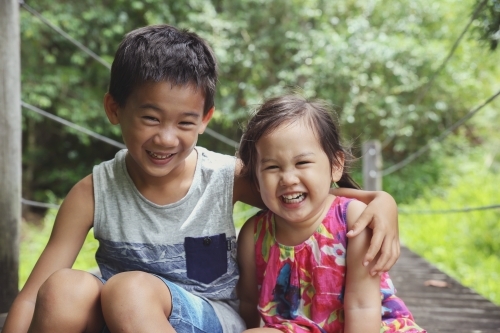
210,160
214,155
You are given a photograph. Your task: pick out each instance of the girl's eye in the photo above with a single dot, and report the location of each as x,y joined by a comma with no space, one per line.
270,167
303,162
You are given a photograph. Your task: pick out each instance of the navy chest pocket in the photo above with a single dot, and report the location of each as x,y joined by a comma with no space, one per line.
206,257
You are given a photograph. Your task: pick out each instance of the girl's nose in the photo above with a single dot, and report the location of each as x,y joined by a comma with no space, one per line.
288,179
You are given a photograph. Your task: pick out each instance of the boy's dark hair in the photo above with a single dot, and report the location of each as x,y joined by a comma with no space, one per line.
163,53
288,109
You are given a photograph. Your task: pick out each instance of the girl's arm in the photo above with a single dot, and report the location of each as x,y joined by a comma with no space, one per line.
73,221
381,215
247,285
362,304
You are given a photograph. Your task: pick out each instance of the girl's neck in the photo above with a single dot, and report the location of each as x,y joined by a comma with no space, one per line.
296,233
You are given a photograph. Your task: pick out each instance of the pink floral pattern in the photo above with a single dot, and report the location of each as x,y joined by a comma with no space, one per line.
302,287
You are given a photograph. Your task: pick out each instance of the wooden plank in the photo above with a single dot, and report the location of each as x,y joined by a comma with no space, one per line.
10,151
453,308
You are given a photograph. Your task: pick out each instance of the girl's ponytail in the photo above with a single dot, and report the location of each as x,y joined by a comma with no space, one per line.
346,181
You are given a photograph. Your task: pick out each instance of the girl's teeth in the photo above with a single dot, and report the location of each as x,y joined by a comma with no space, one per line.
293,198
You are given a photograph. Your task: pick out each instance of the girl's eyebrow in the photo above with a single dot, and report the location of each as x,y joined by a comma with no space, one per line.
297,157
307,154
266,160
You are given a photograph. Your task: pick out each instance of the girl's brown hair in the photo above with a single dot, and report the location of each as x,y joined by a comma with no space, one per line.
288,109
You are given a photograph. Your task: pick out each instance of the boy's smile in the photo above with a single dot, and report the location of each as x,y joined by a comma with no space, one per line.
160,125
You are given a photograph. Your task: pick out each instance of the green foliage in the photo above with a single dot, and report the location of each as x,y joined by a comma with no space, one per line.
33,241
372,59
242,212
464,245
488,23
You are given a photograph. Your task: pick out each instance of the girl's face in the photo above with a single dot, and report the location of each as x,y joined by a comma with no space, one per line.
294,173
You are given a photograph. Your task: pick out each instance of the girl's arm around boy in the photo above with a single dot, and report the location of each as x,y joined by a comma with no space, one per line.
380,215
362,305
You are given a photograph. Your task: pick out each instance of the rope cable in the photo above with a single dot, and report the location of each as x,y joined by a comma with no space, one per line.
221,137
447,211
65,35
439,138
427,85
38,204
72,125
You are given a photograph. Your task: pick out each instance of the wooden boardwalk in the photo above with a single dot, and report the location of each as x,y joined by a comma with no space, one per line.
453,308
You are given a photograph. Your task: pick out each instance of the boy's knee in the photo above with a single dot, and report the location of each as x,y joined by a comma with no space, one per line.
66,288
125,284
54,286
134,288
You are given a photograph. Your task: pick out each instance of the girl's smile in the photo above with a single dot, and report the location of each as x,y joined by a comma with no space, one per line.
294,175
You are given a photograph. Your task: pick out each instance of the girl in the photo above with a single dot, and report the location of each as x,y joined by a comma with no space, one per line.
297,268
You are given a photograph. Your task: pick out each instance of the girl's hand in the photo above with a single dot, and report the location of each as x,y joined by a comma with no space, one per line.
381,215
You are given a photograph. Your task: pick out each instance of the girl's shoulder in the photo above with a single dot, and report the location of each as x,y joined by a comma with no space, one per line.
344,211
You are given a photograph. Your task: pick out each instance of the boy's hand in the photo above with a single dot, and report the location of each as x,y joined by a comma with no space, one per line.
381,216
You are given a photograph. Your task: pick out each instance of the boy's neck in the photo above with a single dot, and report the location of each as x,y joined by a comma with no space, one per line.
167,189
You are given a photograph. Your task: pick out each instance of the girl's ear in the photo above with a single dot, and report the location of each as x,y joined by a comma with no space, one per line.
338,168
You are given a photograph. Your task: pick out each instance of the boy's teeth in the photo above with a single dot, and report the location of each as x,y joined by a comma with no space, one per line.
159,156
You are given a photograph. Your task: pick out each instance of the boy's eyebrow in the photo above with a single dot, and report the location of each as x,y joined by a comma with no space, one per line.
192,114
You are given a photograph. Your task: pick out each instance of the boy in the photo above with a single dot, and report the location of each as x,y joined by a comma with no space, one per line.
161,209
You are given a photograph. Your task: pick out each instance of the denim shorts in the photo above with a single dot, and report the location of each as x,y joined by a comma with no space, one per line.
190,313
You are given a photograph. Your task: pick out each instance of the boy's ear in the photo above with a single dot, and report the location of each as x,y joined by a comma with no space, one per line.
111,107
206,120
338,169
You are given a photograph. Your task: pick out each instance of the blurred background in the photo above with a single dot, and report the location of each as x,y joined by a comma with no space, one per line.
419,76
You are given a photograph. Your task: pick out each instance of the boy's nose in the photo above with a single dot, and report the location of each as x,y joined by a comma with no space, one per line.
166,137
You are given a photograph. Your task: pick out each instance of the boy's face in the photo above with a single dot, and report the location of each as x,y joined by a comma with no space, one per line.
160,125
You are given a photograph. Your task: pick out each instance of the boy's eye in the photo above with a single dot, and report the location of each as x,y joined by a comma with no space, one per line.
149,118
186,123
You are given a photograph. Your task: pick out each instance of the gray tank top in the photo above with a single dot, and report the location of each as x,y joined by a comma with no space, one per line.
191,242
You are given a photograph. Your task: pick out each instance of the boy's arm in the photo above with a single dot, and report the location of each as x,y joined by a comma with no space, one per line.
381,215
73,221
247,285
362,304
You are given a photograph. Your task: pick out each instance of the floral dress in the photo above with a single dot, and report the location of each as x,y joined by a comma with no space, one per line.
302,287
